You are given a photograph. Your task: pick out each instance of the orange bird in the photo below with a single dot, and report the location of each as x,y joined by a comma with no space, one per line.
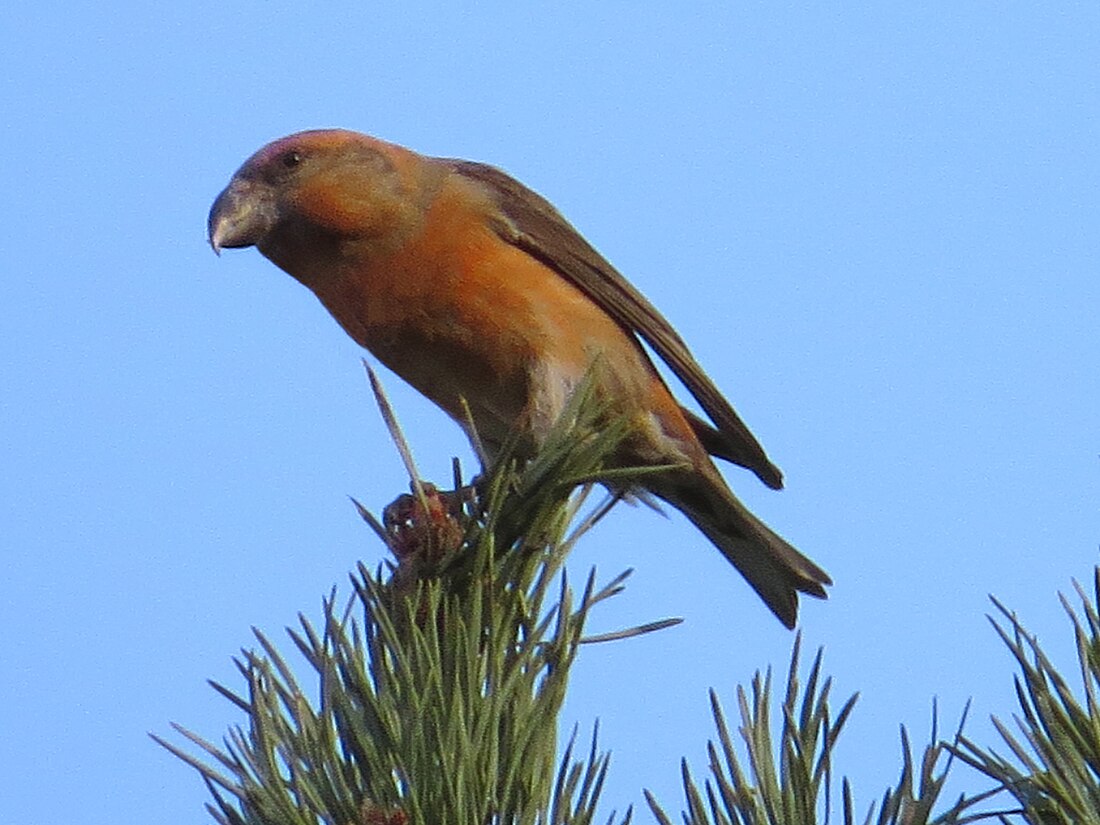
470,286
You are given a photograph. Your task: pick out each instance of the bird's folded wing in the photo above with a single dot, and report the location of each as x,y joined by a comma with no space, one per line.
531,223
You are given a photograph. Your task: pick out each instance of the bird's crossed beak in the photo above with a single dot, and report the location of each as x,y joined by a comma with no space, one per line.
241,215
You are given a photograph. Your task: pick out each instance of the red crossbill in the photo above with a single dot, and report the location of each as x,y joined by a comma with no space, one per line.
472,287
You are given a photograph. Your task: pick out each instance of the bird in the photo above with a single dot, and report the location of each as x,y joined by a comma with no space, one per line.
477,292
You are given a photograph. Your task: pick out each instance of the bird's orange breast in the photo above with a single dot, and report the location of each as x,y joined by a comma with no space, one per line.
460,313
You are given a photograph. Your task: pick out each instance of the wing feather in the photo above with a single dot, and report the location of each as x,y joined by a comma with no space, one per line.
531,223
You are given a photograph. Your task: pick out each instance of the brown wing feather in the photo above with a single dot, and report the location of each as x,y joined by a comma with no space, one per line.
535,226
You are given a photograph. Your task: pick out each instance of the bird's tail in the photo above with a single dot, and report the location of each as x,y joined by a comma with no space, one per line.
775,569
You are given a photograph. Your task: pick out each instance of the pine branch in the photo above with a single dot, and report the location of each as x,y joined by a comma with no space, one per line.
436,687
790,779
1053,770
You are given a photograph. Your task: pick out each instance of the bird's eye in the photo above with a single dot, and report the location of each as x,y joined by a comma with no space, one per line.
292,159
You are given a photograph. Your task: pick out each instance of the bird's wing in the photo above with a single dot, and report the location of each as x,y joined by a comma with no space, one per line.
531,223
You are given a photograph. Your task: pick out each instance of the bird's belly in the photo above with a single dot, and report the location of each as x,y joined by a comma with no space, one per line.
489,329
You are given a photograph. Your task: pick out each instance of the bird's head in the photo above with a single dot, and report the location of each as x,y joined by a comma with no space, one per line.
328,184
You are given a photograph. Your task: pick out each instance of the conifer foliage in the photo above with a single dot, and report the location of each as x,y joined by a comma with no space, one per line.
434,692
431,694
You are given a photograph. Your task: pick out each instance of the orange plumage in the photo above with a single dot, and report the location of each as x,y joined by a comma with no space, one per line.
470,286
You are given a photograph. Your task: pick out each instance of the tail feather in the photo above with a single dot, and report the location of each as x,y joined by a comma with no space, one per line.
727,446
774,568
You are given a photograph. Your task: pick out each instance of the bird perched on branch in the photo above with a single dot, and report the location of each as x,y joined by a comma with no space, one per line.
472,287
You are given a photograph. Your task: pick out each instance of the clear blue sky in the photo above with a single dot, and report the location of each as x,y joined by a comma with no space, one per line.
879,230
